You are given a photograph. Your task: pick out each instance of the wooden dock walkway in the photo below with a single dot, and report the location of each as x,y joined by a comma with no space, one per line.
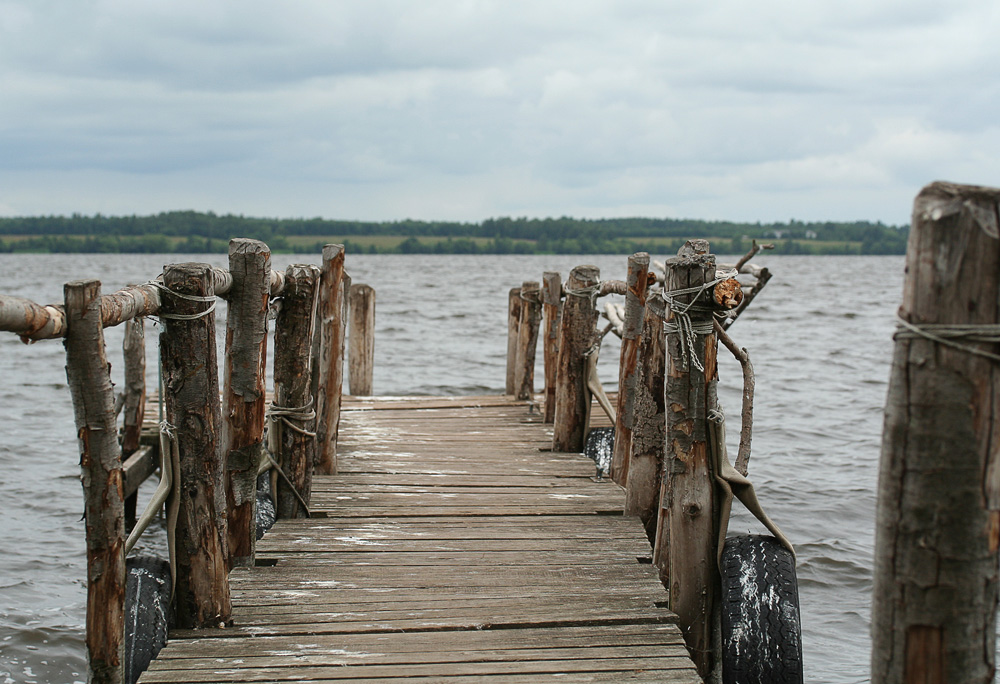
451,547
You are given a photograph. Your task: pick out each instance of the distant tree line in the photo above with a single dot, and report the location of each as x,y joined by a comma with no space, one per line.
198,232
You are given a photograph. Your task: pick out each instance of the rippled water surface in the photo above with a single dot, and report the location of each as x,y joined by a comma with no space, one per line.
819,337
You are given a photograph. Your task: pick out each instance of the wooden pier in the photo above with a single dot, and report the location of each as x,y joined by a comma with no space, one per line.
453,545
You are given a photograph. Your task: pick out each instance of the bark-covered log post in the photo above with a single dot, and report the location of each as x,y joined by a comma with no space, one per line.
513,322
527,340
551,310
134,408
361,339
332,328
191,395
577,336
646,444
293,417
101,466
637,281
687,532
244,392
938,515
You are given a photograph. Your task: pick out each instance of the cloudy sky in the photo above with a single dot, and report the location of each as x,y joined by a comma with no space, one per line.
466,109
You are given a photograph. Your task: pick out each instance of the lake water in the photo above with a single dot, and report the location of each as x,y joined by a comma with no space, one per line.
819,337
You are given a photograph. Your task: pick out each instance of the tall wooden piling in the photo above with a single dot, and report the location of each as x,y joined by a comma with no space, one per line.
646,442
332,326
101,466
551,309
513,322
577,337
244,391
191,394
637,282
527,340
361,339
938,517
687,532
293,404
134,408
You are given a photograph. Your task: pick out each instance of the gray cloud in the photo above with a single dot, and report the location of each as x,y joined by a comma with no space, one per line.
464,109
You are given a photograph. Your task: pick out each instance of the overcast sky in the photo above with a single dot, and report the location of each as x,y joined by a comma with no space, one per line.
465,109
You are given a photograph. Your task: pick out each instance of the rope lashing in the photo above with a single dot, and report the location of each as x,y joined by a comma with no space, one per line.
191,298
682,324
947,333
590,291
278,418
531,296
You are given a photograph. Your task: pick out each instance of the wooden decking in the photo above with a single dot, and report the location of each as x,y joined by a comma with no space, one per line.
450,548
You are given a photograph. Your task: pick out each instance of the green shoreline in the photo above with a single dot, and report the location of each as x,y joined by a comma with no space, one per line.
194,232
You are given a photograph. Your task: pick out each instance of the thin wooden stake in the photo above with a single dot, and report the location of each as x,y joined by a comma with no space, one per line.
292,380
638,282
552,308
577,336
134,352
333,324
642,485
527,340
244,390
361,338
513,323
191,394
101,466
934,601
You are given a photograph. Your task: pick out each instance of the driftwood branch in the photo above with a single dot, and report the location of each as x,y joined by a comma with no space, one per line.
746,416
751,254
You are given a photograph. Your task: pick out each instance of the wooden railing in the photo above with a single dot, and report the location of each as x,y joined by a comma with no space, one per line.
667,388
220,442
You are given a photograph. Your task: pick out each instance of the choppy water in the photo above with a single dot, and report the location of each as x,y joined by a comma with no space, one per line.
819,337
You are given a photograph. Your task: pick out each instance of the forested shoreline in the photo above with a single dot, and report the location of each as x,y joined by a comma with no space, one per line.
200,232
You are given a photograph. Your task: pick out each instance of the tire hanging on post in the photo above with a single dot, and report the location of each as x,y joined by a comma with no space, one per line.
761,628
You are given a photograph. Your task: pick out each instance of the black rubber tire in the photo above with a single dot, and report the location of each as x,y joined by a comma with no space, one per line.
147,609
761,629
266,512
600,447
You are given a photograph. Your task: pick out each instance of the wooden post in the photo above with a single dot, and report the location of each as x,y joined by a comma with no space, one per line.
527,340
938,516
638,281
101,466
292,342
645,458
577,336
244,391
332,326
361,349
191,393
552,307
687,533
513,322
134,352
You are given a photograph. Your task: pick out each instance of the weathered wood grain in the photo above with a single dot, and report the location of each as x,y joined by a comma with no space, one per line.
133,410
527,340
551,311
101,470
244,392
577,336
638,281
331,323
513,324
938,516
472,557
361,339
191,388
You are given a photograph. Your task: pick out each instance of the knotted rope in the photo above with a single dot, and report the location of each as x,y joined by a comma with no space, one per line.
191,298
947,333
278,418
682,324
